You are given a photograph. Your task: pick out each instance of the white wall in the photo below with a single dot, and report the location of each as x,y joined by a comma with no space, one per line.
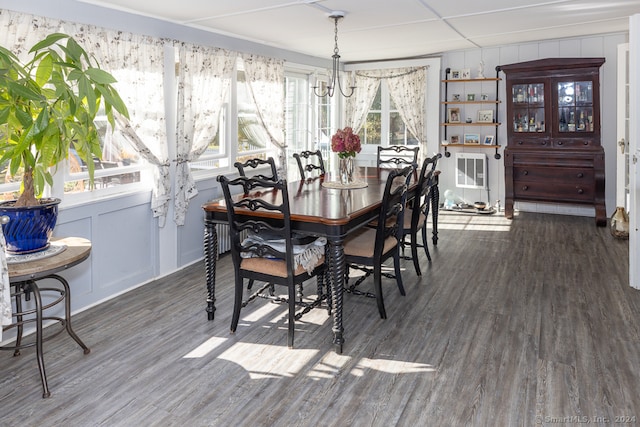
595,46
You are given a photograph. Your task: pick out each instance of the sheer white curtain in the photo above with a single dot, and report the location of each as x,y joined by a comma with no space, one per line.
407,88
203,83
357,106
265,77
21,31
137,62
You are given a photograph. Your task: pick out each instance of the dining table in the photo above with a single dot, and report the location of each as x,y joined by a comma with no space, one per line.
322,207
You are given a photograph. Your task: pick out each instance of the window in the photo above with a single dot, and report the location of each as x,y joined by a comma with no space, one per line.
308,119
324,123
296,118
216,155
253,140
383,125
120,164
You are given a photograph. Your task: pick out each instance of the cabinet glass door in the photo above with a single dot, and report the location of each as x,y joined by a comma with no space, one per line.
575,106
528,107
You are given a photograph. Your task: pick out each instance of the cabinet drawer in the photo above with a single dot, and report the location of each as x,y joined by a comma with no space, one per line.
524,142
541,159
579,176
573,143
554,191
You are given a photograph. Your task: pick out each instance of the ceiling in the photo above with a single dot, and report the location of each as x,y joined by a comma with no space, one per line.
389,29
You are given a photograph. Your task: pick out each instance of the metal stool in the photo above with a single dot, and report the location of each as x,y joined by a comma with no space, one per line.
23,281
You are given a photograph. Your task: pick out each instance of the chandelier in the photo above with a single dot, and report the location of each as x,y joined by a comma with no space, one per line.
335,72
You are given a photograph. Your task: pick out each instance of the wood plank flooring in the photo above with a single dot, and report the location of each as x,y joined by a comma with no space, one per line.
515,323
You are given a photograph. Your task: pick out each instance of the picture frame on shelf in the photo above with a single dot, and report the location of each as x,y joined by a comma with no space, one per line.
456,97
471,97
466,73
484,97
485,116
455,75
453,115
472,138
488,140
454,139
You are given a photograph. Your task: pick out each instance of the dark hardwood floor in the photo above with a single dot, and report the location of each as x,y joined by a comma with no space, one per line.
516,323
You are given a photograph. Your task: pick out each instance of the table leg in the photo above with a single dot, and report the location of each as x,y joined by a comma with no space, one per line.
210,261
435,206
336,281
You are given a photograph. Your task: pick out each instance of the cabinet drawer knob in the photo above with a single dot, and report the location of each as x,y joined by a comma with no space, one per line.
525,172
580,191
585,142
560,142
544,142
525,187
580,175
519,142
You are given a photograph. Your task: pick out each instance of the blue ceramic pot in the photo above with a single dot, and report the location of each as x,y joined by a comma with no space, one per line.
29,228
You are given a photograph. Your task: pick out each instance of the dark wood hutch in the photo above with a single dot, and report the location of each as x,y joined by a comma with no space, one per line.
553,151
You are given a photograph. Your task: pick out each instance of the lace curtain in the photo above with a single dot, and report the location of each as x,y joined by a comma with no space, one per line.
265,77
407,88
137,62
203,82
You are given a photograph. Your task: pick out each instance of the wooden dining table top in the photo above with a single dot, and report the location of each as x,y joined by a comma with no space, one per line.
311,202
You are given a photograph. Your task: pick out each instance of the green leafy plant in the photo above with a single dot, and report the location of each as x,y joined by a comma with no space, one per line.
49,105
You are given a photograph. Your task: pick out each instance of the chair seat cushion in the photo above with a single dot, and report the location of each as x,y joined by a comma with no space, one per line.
273,267
408,213
306,254
362,242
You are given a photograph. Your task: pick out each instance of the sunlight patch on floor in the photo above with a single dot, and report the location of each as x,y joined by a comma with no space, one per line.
205,348
390,367
469,222
330,366
282,361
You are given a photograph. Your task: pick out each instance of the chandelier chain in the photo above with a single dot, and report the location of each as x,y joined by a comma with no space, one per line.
335,49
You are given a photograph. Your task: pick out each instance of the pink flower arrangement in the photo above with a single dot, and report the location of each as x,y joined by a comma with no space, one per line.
345,143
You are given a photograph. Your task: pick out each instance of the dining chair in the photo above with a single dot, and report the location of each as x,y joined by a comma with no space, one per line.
270,253
397,156
368,248
313,162
415,217
255,163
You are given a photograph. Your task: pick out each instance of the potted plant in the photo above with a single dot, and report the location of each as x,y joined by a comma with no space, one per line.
48,106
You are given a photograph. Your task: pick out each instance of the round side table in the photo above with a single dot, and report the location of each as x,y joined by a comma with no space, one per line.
24,277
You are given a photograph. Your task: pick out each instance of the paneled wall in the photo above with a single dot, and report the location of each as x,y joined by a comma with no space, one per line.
595,46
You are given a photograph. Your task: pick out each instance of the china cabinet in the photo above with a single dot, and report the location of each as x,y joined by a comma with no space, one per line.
553,151
470,108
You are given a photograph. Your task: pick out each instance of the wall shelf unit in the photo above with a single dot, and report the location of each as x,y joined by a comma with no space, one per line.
462,102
